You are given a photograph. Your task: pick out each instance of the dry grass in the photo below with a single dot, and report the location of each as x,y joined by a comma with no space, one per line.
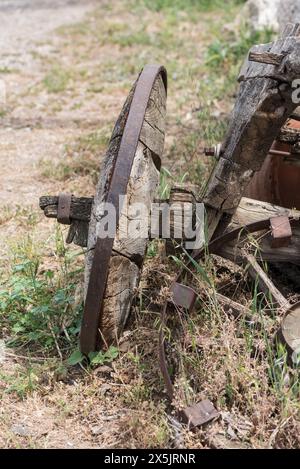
123,403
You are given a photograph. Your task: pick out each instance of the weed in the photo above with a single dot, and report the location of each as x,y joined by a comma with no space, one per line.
57,80
95,358
232,48
36,305
21,382
6,70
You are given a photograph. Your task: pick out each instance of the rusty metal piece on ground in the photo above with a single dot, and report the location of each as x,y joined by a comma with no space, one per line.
209,151
90,336
199,414
281,231
64,206
183,296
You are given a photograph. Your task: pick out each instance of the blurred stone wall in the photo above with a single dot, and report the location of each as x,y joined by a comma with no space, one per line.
273,14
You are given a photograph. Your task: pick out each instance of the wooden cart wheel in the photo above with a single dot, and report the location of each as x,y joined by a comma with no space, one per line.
289,333
131,167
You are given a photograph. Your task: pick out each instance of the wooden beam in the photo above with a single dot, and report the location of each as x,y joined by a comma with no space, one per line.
266,57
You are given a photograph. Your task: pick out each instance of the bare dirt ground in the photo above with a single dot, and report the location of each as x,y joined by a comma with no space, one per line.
26,26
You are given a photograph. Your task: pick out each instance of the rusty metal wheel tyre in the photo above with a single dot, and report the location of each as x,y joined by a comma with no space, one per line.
131,168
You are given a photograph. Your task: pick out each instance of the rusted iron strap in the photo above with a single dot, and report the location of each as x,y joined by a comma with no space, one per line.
64,208
194,414
89,336
281,231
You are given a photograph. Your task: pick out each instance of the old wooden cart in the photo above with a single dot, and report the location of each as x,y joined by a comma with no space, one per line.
264,123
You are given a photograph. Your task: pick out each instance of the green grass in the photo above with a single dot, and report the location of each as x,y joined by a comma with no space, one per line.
57,80
23,381
232,48
83,158
190,5
37,309
245,361
6,70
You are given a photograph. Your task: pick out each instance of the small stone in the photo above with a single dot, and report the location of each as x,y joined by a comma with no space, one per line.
124,347
96,430
20,429
104,369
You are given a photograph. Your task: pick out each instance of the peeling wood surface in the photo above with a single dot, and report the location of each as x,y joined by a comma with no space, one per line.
80,207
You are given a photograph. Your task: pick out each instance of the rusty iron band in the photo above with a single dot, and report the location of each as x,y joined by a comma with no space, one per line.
64,208
212,247
89,336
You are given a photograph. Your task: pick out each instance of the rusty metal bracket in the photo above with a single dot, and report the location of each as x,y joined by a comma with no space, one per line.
281,231
199,414
64,208
91,323
183,296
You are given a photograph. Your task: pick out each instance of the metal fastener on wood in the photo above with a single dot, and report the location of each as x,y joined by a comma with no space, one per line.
215,151
281,231
64,207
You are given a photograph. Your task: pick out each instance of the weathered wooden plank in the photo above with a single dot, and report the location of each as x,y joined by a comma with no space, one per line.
152,138
268,58
122,281
78,233
134,226
250,210
265,284
289,334
80,207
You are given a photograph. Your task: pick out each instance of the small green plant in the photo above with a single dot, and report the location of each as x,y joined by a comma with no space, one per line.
56,80
232,48
7,70
21,382
36,305
95,358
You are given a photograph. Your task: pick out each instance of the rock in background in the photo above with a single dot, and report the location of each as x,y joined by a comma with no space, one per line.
271,14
